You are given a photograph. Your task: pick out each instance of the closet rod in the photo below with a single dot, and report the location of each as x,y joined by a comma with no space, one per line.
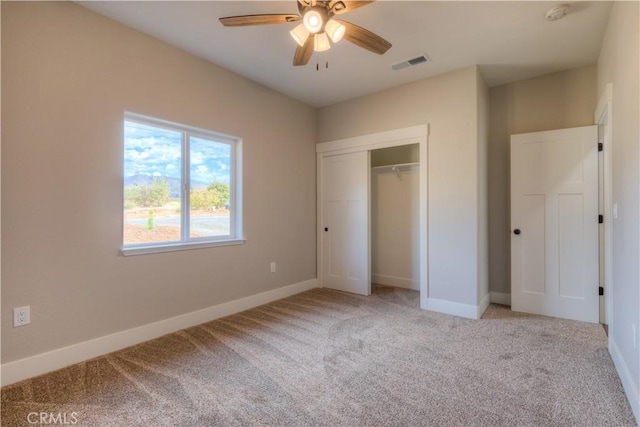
399,165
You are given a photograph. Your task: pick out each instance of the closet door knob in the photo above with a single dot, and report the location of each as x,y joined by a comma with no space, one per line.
326,229
517,231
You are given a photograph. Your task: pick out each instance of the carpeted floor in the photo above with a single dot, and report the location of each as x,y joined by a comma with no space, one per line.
326,358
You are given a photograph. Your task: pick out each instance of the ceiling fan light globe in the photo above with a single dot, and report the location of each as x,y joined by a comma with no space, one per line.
312,21
321,42
335,30
299,34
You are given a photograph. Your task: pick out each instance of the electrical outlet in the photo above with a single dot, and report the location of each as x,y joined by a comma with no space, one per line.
21,316
273,267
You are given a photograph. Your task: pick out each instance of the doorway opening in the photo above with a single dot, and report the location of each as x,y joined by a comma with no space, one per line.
395,217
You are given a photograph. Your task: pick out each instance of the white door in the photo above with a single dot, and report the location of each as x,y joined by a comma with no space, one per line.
554,223
345,222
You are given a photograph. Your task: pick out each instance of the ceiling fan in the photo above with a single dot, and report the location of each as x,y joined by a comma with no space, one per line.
317,27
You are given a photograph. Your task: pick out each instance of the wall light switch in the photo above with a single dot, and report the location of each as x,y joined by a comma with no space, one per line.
273,267
615,211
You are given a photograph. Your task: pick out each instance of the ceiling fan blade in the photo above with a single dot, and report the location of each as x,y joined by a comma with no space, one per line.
244,20
304,52
343,6
365,38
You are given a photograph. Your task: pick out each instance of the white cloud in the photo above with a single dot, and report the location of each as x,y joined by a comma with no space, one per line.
154,151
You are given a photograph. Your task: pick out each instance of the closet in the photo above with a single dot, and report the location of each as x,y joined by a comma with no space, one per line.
372,211
395,214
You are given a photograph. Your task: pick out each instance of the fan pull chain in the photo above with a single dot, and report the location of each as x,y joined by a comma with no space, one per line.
326,65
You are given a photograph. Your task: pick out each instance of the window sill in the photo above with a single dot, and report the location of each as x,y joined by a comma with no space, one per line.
178,246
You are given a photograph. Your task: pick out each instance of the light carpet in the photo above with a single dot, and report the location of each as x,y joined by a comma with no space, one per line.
327,358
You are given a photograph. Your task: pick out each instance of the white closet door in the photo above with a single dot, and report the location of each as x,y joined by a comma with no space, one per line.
345,222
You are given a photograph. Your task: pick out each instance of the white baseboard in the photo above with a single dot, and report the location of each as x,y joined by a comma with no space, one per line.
398,282
501,298
456,308
28,367
630,387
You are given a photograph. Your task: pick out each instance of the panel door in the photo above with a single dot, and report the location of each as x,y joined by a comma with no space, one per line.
345,222
554,221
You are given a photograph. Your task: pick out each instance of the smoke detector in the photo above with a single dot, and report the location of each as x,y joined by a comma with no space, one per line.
557,12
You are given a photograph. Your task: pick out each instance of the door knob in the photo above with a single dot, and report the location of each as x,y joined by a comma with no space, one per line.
326,229
517,231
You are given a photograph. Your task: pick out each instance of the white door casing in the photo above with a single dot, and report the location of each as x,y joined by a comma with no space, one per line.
603,118
554,221
345,222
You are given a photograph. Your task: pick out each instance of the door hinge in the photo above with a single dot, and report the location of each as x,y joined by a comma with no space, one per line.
600,290
600,219
600,146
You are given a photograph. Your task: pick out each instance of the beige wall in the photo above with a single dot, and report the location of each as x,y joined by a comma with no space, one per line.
618,65
554,101
482,123
448,103
68,76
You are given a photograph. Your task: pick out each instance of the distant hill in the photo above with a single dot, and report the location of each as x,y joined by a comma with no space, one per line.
174,183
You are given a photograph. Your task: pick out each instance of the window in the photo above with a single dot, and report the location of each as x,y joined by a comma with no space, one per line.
181,187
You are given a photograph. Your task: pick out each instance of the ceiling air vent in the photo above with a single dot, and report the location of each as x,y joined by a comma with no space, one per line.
411,62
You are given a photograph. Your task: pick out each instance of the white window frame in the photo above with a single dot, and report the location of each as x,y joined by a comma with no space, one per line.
236,236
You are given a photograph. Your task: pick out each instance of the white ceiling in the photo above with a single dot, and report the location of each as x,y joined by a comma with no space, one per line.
509,40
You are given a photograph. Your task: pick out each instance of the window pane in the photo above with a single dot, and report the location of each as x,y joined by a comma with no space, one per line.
210,198
152,184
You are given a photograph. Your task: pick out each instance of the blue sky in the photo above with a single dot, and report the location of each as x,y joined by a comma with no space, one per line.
155,151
